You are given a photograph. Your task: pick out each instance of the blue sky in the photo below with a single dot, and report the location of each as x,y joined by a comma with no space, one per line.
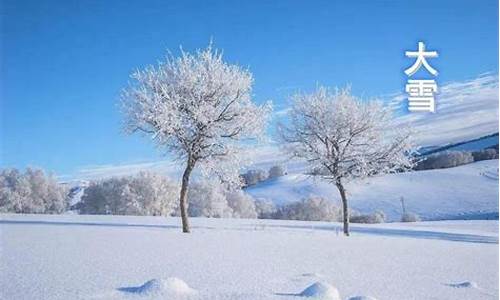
63,63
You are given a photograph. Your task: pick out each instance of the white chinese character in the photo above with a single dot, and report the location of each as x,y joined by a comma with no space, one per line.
421,56
421,95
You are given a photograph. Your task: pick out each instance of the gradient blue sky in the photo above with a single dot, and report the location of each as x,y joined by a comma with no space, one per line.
63,63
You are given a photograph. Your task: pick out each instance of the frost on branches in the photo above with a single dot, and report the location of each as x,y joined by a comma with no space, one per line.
344,138
143,194
31,192
199,109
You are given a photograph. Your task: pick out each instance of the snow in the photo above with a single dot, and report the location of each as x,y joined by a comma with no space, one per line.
321,290
170,287
469,191
465,284
361,298
112,257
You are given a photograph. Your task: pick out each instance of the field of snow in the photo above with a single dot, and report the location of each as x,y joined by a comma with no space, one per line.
469,192
112,257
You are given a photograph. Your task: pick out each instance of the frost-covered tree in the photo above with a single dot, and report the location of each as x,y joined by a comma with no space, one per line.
14,192
377,216
485,154
155,194
33,191
197,108
242,204
445,159
146,194
343,138
310,209
208,199
265,208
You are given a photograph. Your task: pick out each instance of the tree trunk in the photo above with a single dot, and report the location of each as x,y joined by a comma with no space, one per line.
183,196
345,208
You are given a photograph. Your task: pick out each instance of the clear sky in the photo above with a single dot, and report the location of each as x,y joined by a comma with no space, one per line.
63,63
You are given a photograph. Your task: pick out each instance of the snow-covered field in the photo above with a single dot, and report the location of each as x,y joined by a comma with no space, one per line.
469,191
111,257
115,257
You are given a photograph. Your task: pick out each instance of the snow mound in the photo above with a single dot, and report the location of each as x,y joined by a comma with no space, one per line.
361,298
465,284
168,286
321,290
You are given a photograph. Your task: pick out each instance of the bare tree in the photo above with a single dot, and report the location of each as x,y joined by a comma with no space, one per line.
343,138
198,108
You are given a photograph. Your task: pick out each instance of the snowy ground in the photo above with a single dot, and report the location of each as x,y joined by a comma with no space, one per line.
469,192
110,257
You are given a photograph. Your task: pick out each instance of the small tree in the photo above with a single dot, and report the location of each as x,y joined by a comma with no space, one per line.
343,138
197,108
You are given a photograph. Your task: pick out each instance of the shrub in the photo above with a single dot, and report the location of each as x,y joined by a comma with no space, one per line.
319,171
252,177
142,194
376,217
242,204
485,154
207,199
276,171
310,209
31,192
410,217
265,208
446,159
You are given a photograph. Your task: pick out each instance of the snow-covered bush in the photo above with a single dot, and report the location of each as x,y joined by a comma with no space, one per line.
207,199
376,217
252,177
276,171
410,217
265,208
485,154
31,192
445,159
152,194
242,204
142,194
211,199
310,209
